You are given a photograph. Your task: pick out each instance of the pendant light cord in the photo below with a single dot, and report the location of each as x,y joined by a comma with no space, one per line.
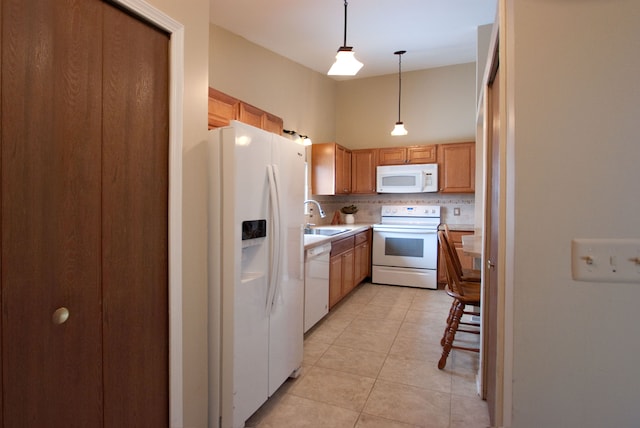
344,44
399,53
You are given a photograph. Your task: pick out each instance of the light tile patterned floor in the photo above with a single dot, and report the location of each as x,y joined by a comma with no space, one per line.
372,363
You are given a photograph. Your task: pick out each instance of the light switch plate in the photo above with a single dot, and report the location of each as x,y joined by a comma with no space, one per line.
605,260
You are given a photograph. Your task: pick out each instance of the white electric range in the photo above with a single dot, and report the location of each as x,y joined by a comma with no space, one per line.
405,246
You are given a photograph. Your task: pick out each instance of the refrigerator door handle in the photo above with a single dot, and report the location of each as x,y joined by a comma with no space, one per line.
275,249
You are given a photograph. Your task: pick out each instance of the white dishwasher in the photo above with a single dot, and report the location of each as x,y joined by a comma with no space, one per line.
316,284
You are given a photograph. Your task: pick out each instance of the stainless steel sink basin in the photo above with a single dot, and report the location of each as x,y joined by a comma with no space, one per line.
324,231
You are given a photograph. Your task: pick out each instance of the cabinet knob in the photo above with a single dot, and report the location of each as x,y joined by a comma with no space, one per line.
60,316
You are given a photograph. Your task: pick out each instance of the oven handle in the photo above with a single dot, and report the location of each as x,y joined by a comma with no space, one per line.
404,229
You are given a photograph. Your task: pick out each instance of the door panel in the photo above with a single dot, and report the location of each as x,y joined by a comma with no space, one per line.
135,223
84,200
490,305
51,132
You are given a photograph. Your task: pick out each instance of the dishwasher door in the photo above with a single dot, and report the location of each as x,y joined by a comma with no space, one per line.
316,284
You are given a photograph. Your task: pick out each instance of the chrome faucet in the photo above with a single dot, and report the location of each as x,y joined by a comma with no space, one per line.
320,210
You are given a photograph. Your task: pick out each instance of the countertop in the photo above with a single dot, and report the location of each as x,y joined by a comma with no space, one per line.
311,241
472,245
464,227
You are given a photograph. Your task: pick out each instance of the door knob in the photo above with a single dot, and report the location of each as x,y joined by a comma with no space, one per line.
60,316
490,264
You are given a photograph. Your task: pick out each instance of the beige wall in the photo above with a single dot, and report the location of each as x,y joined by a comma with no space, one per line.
438,106
194,15
573,173
303,98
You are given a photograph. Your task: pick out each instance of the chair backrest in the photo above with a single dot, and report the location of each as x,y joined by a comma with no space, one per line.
457,265
454,279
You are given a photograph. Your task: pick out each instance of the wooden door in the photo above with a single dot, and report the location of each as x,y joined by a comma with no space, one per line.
490,303
83,217
51,220
135,222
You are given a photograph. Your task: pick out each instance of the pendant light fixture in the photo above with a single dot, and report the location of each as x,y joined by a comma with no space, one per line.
346,63
399,129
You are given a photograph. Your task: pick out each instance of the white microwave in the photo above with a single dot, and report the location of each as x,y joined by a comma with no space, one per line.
419,178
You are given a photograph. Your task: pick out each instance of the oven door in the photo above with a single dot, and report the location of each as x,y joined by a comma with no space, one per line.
405,246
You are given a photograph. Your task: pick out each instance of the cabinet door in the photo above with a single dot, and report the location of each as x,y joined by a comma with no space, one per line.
343,171
362,257
361,270
365,265
335,280
222,108
272,123
457,167
250,114
392,156
363,171
348,284
323,168
421,154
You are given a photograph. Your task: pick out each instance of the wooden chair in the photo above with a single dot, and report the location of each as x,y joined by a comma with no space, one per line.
471,283
472,275
464,293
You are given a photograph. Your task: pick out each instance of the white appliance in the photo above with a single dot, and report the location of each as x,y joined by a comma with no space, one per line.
418,178
256,217
316,284
405,246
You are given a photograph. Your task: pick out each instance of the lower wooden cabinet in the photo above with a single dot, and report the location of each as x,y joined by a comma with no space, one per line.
465,261
349,264
362,256
341,269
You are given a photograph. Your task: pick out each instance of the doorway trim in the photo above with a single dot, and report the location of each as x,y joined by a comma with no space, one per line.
176,95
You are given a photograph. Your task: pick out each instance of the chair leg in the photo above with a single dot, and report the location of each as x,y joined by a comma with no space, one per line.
451,334
449,318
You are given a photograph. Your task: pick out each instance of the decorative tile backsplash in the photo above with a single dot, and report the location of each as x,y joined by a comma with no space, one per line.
370,206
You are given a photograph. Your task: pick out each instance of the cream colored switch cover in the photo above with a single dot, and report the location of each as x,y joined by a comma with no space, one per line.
605,260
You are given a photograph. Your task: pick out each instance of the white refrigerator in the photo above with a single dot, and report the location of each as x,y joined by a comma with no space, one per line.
256,289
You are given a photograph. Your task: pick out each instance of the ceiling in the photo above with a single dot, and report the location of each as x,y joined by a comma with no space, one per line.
434,33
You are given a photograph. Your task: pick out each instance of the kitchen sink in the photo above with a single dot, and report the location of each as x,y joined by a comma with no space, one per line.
324,231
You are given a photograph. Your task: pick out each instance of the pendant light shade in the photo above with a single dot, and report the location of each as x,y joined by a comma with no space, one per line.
346,63
399,129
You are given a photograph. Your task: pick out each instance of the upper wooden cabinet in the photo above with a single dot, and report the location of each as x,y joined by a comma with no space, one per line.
363,171
336,170
272,123
250,115
330,169
457,167
407,155
224,108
